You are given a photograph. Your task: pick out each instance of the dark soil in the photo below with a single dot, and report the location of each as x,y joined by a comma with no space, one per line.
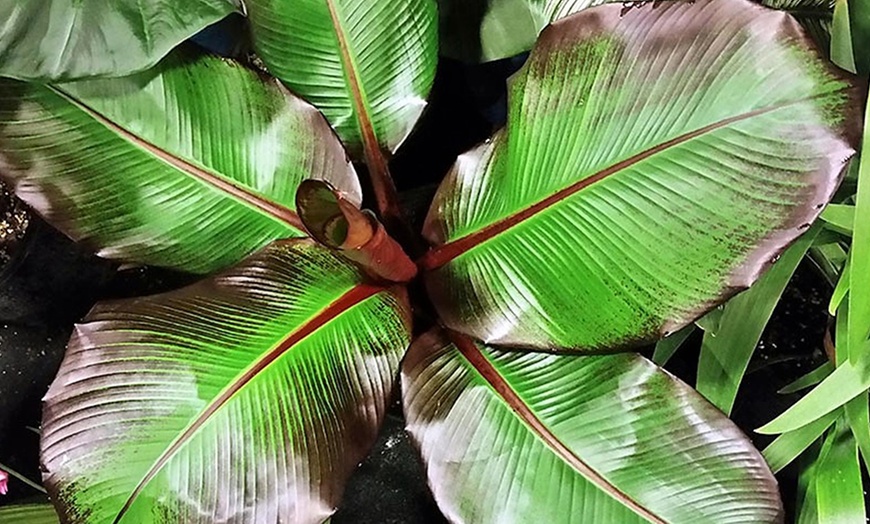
13,224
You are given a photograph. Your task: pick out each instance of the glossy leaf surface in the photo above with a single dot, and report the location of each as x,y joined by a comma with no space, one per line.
249,397
678,164
62,39
367,64
530,437
193,165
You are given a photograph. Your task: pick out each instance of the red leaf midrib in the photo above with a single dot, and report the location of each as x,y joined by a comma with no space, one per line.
235,190
354,296
496,381
440,255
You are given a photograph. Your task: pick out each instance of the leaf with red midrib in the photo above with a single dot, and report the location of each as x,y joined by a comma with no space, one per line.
250,396
654,163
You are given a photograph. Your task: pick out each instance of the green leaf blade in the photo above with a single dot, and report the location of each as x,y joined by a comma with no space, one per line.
254,393
367,64
814,15
859,254
57,40
788,446
838,388
809,380
29,514
657,211
838,489
193,165
486,30
511,436
667,347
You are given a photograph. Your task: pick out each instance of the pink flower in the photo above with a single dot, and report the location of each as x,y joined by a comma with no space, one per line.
3,478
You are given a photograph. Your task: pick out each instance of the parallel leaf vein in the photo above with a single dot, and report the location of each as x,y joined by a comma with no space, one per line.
214,180
351,298
486,370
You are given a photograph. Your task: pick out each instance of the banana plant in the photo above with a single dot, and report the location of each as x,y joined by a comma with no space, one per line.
655,162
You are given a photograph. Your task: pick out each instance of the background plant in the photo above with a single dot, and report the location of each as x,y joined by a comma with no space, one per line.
296,346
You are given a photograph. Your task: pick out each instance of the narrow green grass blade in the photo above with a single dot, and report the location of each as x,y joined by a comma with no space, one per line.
711,321
521,436
16,475
859,33
858,416
829,258
788,446
841,334
841,291
806,506
810,379
839,493
841,386
725,355
839,217
859,278
666,347
842,53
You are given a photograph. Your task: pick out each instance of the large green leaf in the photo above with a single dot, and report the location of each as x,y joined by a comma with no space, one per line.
66,39
249,397
367,64
192,165
653,163
531,437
